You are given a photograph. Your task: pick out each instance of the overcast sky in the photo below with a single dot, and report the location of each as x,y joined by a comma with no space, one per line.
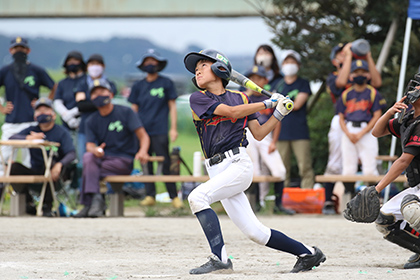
229,35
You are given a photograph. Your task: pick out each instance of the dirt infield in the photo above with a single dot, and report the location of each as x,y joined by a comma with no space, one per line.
136,247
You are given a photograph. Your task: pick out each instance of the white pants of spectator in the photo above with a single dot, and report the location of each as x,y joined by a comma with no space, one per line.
9,129
335,161
366,149
258,152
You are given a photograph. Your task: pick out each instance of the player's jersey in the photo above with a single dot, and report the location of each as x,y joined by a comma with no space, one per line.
409,133
264,114
360,106
219,133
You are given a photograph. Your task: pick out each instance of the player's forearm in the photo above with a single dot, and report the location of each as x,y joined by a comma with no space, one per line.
396,169
376,80
343,75
260,131
381,126
239,111
173,114
52,92
144,139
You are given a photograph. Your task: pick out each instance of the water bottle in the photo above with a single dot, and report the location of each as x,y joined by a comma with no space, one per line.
360,48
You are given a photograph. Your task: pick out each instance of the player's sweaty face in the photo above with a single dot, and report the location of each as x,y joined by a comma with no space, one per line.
203,73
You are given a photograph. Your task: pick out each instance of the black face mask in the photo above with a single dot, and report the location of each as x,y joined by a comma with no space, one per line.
101,100
20,57
360,80
149,69
73,68
44,118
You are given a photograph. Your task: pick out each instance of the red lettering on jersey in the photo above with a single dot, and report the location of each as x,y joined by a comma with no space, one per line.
218,119
353,106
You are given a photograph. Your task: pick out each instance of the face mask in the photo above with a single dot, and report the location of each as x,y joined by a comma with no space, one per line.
360,80
44,118
264,60
101,100
20,57
289,69
73,68
150,69
95,71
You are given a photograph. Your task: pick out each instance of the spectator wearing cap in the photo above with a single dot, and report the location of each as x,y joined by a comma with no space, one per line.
21,80
265,56
359,109
153,99
64,100
294,133
113,134
45,129
95,70
264,152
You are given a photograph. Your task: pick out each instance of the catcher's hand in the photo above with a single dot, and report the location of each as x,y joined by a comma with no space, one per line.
364,207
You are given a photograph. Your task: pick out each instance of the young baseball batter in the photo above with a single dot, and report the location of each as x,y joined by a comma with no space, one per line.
220,117
399,218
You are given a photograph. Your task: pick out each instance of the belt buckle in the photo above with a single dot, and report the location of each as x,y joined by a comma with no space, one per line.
356,124
217,158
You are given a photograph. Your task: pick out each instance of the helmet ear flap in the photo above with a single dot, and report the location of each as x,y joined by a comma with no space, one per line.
221,70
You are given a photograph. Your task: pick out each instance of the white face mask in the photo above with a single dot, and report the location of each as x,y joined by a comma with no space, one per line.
289,69
95,71
264,60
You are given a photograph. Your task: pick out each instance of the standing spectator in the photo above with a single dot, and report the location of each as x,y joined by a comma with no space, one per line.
359,109
265,151
95,69
153,99
111,144
266,57
64,100
46,129
22,80
294,134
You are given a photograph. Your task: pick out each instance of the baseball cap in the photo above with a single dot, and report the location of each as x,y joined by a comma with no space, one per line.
359,64
19,41
43,101
336,50
286,53
256,70
154,54
96,57
100,83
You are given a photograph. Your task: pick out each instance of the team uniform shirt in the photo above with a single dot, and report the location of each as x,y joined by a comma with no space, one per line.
334,91
295,126
67,88
83,86
117,130
152,101
219,133
22,97
264,114
57,134
413,144
360,106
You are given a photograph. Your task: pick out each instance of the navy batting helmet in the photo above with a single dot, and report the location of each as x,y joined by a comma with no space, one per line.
221,66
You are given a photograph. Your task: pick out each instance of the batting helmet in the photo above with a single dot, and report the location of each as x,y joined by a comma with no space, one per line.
221,66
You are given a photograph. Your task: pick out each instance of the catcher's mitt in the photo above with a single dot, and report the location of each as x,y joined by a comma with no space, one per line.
364,207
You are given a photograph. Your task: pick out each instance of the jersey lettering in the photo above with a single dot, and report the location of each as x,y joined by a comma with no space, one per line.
218,119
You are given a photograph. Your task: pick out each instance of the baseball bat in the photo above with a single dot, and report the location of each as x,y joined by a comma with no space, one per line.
241,80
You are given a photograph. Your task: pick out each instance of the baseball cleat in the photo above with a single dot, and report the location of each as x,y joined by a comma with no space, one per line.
177,203
410,209
413,262
148,201
307,262
213,264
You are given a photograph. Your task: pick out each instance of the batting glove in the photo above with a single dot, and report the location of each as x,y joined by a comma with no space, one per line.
284,107
272,101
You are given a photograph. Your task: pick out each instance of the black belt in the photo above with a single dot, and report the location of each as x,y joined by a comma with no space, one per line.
219,157
357,124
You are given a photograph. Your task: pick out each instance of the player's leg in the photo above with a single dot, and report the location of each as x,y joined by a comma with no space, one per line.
393,225
253,150
302,151
368,151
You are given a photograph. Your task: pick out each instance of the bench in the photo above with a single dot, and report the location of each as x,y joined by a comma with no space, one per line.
116,206
355,178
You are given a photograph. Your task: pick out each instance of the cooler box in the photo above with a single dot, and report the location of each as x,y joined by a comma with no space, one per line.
304,200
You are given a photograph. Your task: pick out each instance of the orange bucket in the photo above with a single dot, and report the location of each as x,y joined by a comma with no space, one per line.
304,200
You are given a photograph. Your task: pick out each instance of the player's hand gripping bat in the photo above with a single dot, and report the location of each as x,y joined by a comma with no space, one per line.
241,80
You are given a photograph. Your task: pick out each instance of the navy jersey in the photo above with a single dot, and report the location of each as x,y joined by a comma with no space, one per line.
22,97
360,106
117,130
264,114
152,100
219,133
57,134
66,90
295,126
83,86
